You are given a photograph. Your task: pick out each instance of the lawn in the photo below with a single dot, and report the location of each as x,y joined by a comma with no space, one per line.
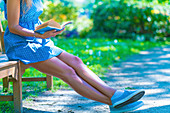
97,53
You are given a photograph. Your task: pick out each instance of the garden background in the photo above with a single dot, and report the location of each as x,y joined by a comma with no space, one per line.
104,32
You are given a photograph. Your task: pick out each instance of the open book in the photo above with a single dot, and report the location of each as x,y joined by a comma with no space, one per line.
50,25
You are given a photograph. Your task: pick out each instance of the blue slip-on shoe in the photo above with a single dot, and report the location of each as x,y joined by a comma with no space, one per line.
127,97
127,108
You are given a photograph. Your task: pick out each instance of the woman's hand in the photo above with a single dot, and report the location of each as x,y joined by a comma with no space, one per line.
48,34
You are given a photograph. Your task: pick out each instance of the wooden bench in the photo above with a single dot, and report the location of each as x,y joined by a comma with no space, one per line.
10,71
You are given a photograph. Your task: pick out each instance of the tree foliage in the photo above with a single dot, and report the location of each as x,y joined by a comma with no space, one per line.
59,12
132,19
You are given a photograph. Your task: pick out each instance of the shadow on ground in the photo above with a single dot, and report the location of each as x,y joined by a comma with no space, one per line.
66,101
150,70
161,109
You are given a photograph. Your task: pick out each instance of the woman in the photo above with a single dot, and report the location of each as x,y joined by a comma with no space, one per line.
38,51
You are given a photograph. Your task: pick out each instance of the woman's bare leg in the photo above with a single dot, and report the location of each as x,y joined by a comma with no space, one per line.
86,74
58,68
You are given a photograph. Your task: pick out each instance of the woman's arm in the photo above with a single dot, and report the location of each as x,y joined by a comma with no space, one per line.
13,13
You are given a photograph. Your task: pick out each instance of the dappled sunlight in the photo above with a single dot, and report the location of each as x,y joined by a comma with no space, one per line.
167,95
155,106
159,77
159,52
129,66
123,81
152,63
145,52
166,49
147,59
104,34
120,74
165,61
165,56
143,83
150,71
164,70
106,48
154,91
134,63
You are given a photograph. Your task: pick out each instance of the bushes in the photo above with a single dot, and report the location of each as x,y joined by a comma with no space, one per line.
59,12
62,13
131,20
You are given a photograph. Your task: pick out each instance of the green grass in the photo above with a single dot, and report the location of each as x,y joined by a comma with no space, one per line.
98,54
101,53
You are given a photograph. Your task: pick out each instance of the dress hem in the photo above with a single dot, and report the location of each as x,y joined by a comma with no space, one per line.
26,63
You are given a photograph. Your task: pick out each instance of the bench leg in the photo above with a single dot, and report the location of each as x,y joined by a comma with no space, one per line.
49,80
6,84
17,93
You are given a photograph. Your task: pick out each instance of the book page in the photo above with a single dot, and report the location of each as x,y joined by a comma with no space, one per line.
66,23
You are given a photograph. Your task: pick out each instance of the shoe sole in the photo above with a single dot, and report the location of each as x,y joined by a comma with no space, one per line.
128,109
130,99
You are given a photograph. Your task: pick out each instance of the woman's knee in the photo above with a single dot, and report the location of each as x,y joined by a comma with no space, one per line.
77,60
70,59
69,73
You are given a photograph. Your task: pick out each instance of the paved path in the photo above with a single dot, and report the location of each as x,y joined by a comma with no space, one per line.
149,70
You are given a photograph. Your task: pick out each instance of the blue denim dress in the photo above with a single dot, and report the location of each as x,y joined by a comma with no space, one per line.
29,49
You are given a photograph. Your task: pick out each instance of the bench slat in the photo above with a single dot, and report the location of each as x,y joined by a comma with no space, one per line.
34,79
6,73
6,98
7,67
4,62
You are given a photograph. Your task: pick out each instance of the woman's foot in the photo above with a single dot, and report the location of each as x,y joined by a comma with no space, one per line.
129,107
122,98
